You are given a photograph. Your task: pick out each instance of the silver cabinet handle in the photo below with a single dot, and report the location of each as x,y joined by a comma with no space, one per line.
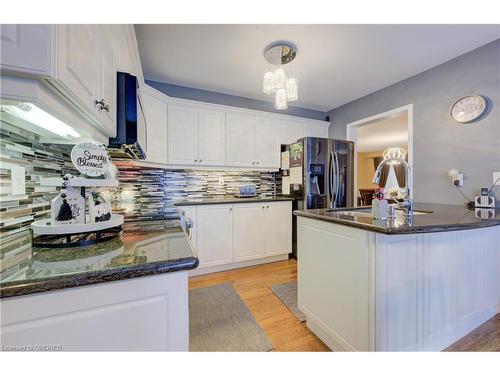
257,163
196,160
253,162
200,161
267,206
230,210
101,104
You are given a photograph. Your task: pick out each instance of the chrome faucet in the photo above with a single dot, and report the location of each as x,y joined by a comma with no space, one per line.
407,204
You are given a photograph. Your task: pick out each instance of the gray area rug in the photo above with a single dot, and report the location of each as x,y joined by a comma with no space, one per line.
219,321
287,293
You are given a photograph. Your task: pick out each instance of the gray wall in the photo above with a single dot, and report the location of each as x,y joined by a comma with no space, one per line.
440,143
231,100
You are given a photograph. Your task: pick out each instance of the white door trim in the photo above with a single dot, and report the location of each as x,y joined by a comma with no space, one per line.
351,130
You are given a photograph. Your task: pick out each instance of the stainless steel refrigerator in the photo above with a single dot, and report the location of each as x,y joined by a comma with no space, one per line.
320,174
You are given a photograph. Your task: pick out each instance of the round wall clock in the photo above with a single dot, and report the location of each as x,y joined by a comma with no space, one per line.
468,108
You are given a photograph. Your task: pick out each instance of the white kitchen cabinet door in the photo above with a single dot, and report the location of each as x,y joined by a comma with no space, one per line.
249,231
182,134
26,48
319,131
78,63
190,213
278,228
212,137
108,51
156,117
292,130
240,139
267,144
214,234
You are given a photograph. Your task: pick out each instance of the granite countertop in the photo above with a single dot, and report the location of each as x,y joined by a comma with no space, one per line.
145,248
432,218
230,200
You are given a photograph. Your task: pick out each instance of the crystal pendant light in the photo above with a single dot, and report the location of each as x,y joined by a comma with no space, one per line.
278,55
280,99
279,78
291,89
268,82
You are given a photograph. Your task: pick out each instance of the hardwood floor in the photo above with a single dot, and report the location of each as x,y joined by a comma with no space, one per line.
286,332
252,284
485,338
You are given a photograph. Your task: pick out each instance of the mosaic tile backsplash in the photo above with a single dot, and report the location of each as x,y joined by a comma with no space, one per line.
144,193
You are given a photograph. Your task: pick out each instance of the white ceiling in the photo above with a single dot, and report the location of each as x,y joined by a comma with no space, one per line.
388,132
335,64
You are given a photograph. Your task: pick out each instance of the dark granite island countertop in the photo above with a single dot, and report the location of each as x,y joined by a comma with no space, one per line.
145,248
230,200
427,218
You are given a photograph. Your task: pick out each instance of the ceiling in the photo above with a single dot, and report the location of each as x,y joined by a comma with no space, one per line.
388,132
335,64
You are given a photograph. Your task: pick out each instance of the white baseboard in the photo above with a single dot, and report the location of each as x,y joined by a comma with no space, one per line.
230,266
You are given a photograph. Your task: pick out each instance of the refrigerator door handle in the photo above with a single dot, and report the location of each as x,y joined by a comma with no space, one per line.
333,196
337,177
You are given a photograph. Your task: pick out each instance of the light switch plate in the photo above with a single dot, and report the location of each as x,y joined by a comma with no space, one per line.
17,179
496,178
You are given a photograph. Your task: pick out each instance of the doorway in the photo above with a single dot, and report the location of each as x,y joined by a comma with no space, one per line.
373,135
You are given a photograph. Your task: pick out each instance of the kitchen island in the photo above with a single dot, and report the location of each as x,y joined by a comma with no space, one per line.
127,293
397,285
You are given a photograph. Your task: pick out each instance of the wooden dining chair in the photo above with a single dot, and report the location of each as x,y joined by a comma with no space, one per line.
366,196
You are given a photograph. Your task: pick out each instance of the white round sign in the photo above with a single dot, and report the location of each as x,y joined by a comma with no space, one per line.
90,158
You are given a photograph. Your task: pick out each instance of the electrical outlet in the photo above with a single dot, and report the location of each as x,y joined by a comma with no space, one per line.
18,183
458,180
496,178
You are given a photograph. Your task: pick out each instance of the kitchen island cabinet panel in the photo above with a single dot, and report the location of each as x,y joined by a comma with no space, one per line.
142,314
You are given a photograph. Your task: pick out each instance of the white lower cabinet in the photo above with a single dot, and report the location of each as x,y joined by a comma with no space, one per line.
278,223
234,235
249,231
140,314
214,234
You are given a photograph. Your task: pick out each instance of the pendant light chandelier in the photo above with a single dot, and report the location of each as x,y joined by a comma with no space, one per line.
277,80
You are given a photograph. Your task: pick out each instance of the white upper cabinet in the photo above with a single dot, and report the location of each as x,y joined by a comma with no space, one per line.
78,63
292,130
25,49
319,131
182,134
156,114
267,142
108,56
211,137
240,139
